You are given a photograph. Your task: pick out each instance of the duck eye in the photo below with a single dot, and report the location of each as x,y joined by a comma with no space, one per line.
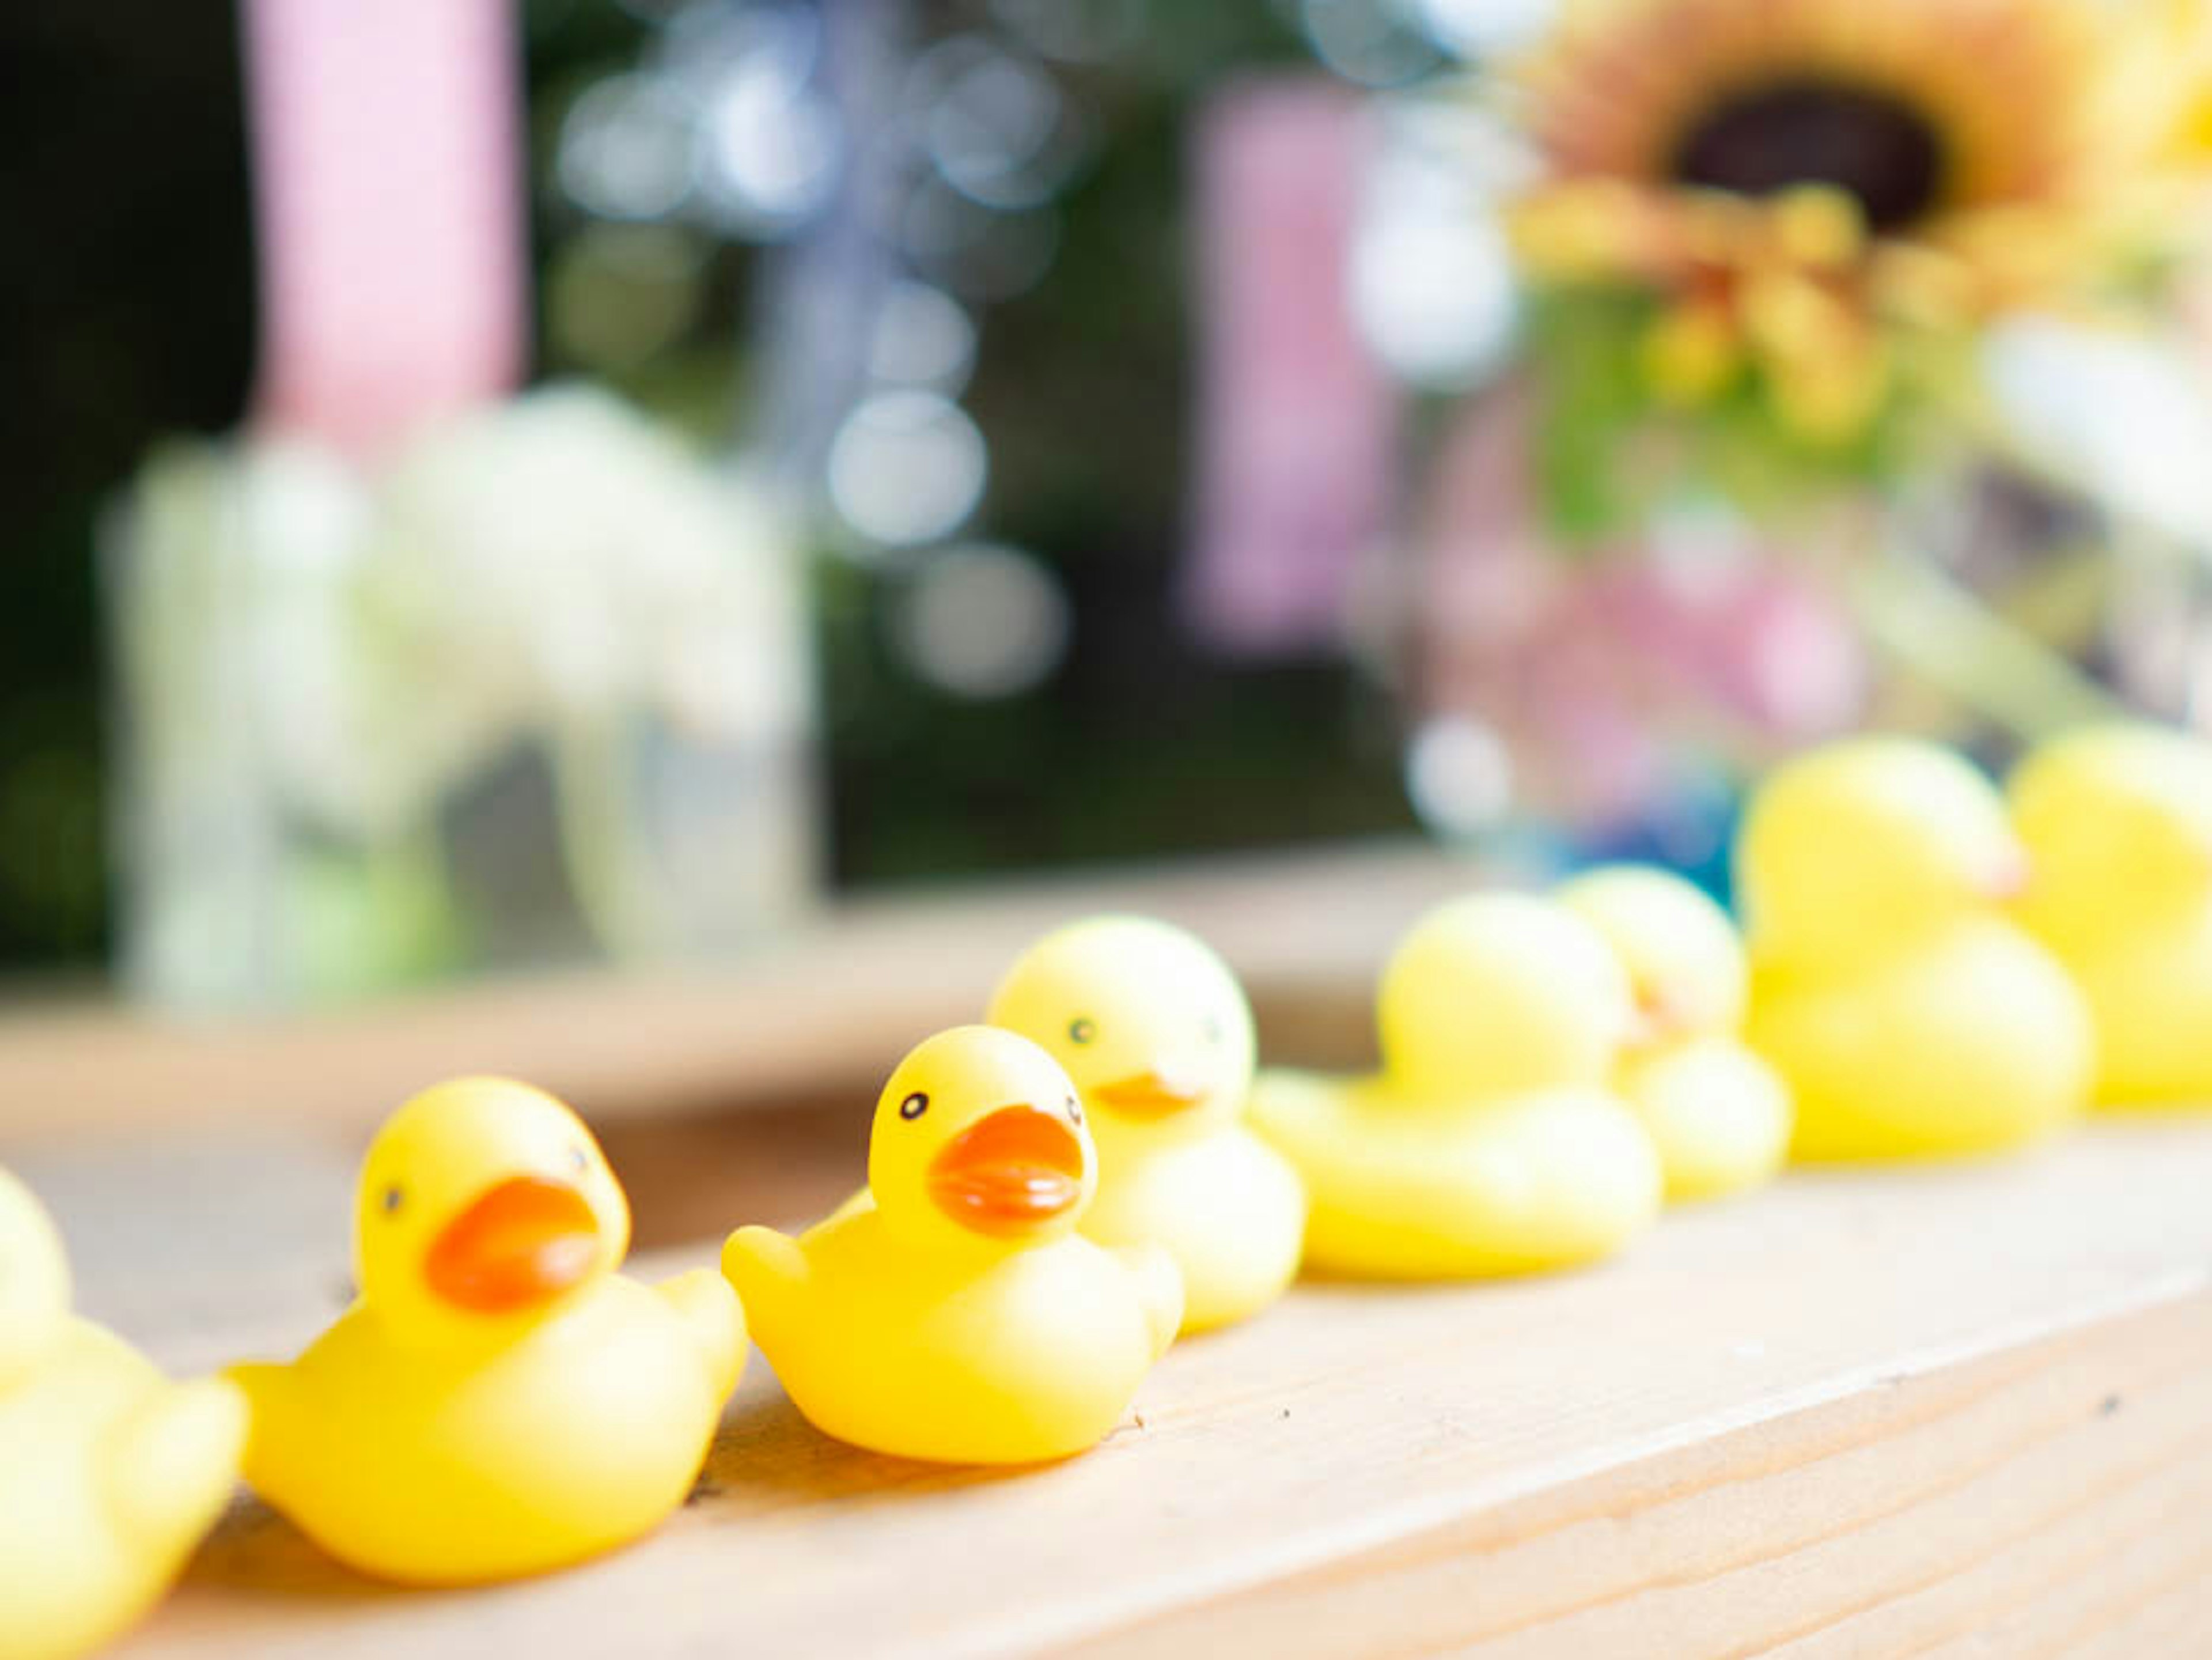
1074,1110
1211,1030
579,1160
1082,1029
393,1199
914,1105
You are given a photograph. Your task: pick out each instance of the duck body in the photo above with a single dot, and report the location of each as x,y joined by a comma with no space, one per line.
114,1475
2150,1000
2118,820
1016,1358
1718,1114
500,1401
1492,1141
1156,1033
1911,1015
952,1311
1405,1189
1971,1038
1228,1207
109,1473
463,1462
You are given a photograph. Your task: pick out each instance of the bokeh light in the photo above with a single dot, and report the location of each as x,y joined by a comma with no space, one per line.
1484,28
1375,42
983,621
995,125
924,337
977,252
772,143
1434,294
630,148
1072,31
616,294
1459,775
907,466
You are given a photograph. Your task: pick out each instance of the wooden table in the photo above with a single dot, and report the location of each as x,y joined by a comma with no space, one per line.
1964,1410
1863,1413
828,1009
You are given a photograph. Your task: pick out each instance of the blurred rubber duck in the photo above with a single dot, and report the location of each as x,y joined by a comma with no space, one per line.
1491,1142
1157,1035
954,1313
2118,821
109,1473
498,1401
1909,1014
1719,1116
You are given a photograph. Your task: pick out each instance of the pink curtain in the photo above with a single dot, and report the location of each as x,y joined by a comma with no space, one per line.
1296,425
389,196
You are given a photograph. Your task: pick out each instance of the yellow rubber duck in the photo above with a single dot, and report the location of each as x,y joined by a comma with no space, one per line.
1155,1031
1491,1142
1719,1116
2118,821
499,1401
109,1473
955,1313
1909,1015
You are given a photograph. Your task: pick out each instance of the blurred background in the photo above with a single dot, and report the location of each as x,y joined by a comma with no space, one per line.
599,479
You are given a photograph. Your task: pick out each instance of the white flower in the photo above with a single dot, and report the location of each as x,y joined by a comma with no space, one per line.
551,563
2125,417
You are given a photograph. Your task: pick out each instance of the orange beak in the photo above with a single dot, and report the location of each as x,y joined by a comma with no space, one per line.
1008,1172
1148,1095
1654,1019
2006,879
519,1245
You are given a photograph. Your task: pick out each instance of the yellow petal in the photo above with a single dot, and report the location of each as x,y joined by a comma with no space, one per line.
1818,226
1924,288
1832,397
1790,315
1691,354
1578,231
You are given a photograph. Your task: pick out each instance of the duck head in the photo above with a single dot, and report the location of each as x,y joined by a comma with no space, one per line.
1499,993
1685,966
2118,821
1853,849
483,1202
34,1282
1146,1019
980,1141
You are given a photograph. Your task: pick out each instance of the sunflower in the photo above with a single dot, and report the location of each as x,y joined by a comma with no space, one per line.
1806,186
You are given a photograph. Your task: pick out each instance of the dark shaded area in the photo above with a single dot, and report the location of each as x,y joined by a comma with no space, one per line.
1880,149
1145,743
128,290
131,293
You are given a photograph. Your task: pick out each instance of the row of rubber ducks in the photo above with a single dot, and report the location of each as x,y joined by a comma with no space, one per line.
1053,1194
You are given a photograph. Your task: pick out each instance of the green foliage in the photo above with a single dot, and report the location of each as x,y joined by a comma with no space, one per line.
1607,453
1591,403
1740,450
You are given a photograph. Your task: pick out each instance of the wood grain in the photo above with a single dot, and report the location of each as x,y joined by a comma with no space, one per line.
1963,1410
831,1008
2017,1502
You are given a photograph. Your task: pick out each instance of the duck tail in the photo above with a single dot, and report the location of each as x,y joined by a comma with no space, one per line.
1160,1288
710,1311
175,1460
766,1269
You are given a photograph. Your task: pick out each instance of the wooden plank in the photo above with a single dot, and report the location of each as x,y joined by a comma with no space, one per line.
1863,1412
2006,1502
833,1006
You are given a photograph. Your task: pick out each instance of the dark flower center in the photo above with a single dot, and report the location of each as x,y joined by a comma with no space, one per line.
1875,148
